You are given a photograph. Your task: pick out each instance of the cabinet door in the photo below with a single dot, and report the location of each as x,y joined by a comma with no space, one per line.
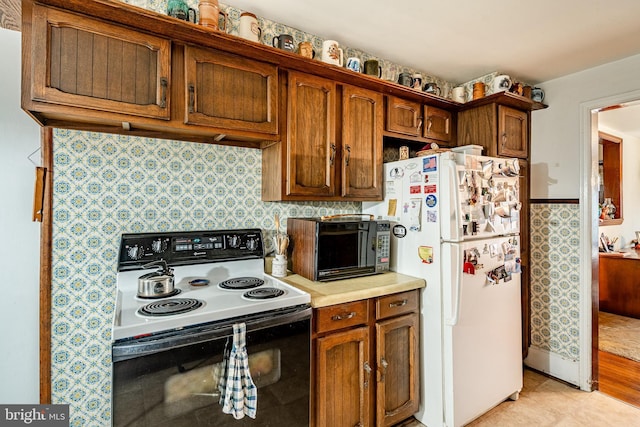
513,132
311,136
397,395
437,124
82,62
230,92
343,379
362,112
403,117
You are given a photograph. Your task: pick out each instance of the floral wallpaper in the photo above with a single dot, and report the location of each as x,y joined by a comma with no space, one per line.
106,185
555,279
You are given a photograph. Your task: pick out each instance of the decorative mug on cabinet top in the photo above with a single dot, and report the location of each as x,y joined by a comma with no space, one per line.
179,9
501,83
306,49
332,53
249,28
284,42
458,94
210,15
354,64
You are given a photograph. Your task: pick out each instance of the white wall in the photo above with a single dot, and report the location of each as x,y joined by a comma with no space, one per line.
625,232
19,247
555,131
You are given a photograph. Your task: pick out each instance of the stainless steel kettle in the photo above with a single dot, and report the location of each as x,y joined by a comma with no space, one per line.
158,283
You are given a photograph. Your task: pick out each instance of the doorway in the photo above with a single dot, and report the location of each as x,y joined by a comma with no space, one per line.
615,325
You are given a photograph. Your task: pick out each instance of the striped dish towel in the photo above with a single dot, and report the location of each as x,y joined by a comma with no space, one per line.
240,393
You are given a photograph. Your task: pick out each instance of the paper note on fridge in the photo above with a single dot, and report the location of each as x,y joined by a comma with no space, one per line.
391,208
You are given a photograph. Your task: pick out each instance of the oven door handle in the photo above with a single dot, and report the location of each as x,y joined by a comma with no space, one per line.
129,349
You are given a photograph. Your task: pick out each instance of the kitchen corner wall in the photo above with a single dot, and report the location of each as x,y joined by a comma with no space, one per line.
106,185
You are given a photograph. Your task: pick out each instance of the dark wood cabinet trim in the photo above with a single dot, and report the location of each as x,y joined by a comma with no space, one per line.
46,231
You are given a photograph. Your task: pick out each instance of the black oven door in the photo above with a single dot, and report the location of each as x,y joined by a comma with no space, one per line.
172,379
346,249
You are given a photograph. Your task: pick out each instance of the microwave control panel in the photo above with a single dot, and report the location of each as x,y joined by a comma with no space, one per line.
383,250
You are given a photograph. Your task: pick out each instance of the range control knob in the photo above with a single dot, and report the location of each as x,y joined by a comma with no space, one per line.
252,244
134,252
159,246
234,241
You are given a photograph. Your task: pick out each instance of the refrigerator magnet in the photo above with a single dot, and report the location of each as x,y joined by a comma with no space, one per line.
399,231
426,254
431,201
429,164
430,189
391,208
396,173
468,268
415,189
432,216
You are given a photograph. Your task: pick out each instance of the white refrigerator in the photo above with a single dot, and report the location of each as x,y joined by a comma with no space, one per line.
455,223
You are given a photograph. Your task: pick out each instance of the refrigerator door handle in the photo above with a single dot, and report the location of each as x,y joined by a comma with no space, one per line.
456,285
452,222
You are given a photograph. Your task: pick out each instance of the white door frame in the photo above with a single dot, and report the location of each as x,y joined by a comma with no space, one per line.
589,220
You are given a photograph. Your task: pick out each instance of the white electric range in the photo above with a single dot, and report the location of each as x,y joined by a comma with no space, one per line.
201,261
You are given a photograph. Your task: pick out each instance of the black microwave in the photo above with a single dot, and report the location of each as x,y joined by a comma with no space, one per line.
323,249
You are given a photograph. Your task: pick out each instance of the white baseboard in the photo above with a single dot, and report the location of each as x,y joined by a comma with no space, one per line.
544,361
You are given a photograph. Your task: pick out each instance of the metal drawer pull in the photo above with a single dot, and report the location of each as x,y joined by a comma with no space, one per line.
384,364
164,83
367,370
192,98
398,303
345,316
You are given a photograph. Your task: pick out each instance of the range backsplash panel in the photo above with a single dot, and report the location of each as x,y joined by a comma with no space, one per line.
106,185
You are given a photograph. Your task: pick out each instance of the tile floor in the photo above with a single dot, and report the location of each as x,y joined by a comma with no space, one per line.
545,402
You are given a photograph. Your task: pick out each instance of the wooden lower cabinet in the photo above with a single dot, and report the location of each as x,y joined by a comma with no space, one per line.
343,378
365,362
397,373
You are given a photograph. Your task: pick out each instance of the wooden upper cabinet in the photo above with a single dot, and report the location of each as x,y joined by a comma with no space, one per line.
312,150
417,122
227,91
513,132
501,130
437,124
332,143
362,116
82,62
403,116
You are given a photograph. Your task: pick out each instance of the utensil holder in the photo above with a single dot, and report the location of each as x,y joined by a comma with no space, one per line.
279,266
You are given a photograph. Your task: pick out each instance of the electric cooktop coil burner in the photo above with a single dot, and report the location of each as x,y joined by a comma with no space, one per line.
263,293
169,307
173,293
241,283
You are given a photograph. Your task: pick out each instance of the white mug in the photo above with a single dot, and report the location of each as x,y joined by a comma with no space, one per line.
332,53
354,64
501,83
457,94
248,28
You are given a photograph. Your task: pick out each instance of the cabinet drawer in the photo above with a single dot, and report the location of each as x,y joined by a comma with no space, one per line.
341,316
395,304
